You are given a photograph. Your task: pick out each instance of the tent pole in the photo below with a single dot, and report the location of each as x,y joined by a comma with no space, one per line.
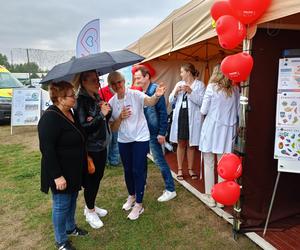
241,140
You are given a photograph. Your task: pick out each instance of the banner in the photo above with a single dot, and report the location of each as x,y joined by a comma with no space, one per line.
287,136
88,40
26,106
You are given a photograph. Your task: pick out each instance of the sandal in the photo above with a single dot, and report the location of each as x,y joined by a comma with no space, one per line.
192,174
180,176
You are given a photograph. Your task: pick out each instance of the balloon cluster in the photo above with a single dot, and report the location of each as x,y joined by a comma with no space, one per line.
228,191
231,18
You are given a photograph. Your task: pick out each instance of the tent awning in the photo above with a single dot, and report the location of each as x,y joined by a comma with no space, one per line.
191,24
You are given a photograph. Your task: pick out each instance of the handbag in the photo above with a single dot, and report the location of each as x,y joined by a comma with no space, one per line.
91,165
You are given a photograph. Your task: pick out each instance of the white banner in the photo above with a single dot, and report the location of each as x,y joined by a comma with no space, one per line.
26,106
88,40
287,136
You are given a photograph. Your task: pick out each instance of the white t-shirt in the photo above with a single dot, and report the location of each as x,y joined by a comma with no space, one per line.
135,127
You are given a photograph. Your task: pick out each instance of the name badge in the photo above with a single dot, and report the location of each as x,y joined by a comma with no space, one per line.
183,105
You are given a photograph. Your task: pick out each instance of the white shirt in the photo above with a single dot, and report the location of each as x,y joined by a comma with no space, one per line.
133,128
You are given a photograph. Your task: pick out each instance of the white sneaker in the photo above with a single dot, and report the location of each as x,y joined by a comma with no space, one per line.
166,196
220,205
93,219
129,203
100,211
209,200
135,213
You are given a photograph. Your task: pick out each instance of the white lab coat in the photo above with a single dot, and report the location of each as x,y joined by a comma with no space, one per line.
194,105
219,127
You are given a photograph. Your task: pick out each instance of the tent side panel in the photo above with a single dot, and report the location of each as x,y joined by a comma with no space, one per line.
260,170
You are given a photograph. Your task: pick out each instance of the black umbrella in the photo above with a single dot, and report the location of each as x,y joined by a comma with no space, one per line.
103,63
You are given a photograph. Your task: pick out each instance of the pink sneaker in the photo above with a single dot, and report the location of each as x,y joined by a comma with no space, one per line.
129,203
135,213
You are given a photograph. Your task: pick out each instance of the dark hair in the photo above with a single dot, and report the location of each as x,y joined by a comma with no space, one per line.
59,89
144,71
189,67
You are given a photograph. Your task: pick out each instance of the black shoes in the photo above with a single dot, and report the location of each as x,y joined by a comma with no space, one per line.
65,246
77,232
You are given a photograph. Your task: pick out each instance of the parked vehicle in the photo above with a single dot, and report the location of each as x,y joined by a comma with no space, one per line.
7,83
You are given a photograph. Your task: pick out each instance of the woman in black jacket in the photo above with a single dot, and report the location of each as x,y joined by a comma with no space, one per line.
93,115
62,144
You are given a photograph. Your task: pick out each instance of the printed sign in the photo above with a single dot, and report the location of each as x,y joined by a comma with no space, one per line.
26,106
287,137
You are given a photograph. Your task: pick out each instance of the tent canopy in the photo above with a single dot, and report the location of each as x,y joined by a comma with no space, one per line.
192,24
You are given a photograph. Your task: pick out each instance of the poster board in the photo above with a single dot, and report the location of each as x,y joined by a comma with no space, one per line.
287,135
26,107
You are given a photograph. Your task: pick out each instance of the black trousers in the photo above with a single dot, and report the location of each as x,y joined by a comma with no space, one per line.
92,181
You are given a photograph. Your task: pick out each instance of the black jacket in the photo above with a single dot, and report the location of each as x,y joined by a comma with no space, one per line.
62,144
97,129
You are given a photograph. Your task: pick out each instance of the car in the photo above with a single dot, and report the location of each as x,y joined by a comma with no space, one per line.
7,83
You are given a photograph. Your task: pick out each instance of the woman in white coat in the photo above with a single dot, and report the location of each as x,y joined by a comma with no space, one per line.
187,119
220,105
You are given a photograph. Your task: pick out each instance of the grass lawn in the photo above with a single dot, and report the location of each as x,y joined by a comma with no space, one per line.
25,212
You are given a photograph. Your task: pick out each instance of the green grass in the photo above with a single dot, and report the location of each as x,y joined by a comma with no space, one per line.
183,223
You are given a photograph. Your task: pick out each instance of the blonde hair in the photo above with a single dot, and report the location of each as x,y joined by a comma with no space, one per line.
78,78
114,76
221,81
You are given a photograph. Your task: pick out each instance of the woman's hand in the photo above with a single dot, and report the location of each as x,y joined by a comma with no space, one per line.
105,108
61,183
178,89
160,90
125,113
187,88
161,139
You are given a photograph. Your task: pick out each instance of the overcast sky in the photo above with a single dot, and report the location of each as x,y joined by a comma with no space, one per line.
55,24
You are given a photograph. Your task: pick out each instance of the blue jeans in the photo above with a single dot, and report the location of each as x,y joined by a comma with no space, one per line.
134,159
63,215
160,161
113,150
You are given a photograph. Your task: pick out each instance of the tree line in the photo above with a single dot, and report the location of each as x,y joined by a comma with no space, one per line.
30,67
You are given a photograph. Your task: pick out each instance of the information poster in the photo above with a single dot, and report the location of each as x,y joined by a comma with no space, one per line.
287,137
26,106
288,106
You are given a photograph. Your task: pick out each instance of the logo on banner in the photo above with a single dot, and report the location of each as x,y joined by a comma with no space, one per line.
88,40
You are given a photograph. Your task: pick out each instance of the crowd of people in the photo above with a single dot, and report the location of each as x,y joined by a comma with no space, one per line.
87,126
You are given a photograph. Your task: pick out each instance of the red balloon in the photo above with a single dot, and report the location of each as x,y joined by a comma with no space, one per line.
247,11
237,67
230,167
220,8
226,192
231,31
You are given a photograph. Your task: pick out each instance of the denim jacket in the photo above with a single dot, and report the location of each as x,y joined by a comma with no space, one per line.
157,116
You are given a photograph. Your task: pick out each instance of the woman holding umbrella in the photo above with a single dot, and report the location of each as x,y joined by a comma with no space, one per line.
93,114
